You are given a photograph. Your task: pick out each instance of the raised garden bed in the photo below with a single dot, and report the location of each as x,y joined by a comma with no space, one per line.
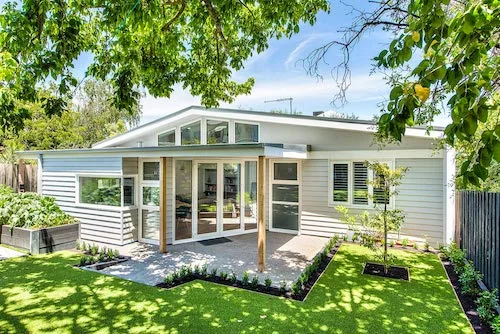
43,240
377,269
324,258
467,301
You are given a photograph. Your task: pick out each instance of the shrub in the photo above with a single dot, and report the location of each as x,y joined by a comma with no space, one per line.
391,243
267,283
94,249
77,245
111,254
102,257
232,278
214,272
495,325
223,275
404,242
468,279
183,272
86,260
169,279
487,304
255,282
344,237
245,279
204,270
116,253
196,270
415,246
30,210
426,246
83,246
296,288
283,286
175,276
457,257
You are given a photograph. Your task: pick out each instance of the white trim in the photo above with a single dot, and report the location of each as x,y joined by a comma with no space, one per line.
265,117
270,201
146,183
39,180
378,154
449,170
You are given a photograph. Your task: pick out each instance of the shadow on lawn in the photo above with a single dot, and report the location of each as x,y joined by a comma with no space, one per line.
46,294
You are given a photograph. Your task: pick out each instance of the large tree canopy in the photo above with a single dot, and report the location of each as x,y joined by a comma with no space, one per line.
445,57
137,44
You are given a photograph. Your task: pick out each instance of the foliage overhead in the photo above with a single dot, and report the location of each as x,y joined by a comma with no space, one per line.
443,51
137,44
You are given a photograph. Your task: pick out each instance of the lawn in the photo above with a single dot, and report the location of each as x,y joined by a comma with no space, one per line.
46,294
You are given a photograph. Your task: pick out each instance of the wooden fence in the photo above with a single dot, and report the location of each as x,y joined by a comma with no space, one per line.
20,177
478,232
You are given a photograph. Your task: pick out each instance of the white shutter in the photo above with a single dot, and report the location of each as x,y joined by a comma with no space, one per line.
360,185
341,182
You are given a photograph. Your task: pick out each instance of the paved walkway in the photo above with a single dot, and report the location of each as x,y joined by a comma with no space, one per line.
287,256
7,253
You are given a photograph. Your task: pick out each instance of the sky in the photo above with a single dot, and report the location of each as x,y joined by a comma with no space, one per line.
278,73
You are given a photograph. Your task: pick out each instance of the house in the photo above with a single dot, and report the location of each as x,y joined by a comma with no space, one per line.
201,173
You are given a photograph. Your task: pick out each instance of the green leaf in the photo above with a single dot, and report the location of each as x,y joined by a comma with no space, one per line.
396,92
469,23
481,172
470,125
496,151
485,157
482,113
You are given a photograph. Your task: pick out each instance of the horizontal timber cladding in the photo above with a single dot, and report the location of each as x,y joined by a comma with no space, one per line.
59,181
130,166
420,196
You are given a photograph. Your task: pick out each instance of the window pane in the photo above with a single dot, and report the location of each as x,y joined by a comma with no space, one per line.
100,190
246,133
285,171
183,199
167,138
151,224
191,134
128,191
151,171
217,132
286,216
360,195
285,193
231,197
340,183
250,195
151,196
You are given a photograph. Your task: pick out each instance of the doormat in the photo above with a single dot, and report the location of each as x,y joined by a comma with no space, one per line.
214,241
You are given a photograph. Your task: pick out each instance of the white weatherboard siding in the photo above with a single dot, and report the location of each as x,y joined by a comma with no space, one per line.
59,180
421,197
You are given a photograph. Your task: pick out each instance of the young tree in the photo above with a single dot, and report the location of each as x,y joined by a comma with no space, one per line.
373,228
443,50
153,44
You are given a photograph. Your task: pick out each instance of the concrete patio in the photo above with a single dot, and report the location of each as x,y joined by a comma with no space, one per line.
287,255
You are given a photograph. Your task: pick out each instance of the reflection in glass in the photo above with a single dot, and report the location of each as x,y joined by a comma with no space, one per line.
167,138
285,171
217,132
151,171
246,133
231,204
286,216
285,193
207,198
183,200
151,196
191,134
250,196
100,190
151,224
128,191
340,182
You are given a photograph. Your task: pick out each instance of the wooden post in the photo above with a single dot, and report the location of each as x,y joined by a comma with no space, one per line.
261,239
163,205
21,175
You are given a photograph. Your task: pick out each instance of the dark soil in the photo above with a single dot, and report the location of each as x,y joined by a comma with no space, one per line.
467,301
260,287
102,265
377,269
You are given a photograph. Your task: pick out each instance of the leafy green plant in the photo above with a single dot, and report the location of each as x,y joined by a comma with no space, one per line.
255,282
267,283
30,210
183,272
204,270
111,254
468,279
83,246
94,250
296,289
391,243
495,325
487,304
223,275
245,279
458,257
196,270
169,279
427,246
404,242
102,257
116,253
415,246
77,245
283,286
175,276
232,278
213,273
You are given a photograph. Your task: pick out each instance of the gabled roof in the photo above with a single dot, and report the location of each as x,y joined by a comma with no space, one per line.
258,116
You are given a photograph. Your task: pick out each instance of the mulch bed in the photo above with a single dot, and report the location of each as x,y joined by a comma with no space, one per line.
467,301
396,272
275,291
102,265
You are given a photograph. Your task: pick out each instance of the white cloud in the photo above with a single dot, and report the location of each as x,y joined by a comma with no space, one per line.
294,55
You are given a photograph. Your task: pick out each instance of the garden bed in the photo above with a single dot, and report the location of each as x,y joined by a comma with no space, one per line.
298,291
377,269
467,301
43,240
98,258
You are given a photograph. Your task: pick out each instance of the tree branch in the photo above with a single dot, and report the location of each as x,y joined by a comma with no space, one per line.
169,24
216,20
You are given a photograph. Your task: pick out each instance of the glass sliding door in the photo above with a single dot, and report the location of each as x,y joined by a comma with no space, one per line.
207,198
231,207
250,196
285,194
183,199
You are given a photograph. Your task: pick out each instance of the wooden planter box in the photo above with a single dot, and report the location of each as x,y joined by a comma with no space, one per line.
40,241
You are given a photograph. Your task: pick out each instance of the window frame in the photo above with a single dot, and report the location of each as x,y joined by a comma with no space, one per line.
122,207
206,120
350,166
174,130
202,131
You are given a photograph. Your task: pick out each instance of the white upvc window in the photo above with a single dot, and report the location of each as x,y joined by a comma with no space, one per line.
348,184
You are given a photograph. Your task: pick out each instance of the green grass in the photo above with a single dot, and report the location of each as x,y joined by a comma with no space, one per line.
46,294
